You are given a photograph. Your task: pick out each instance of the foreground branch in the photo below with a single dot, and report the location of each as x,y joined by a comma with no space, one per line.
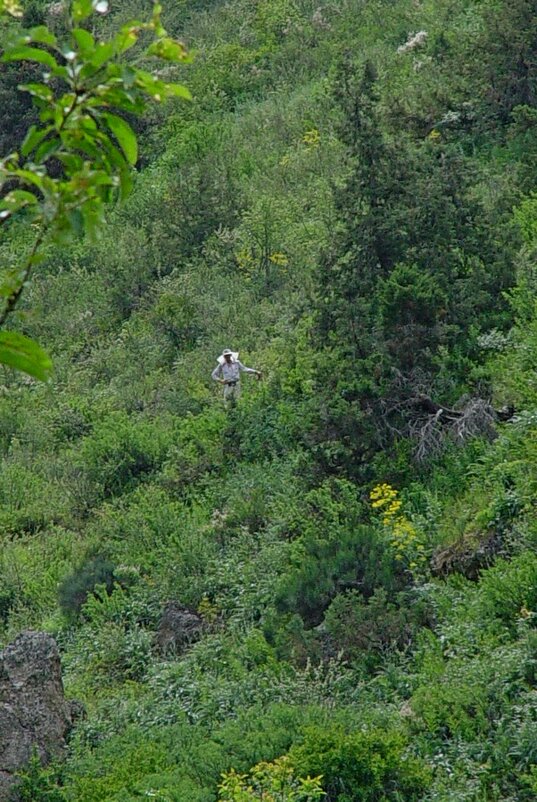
14,298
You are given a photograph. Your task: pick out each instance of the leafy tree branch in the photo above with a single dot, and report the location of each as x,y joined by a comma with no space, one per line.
78,157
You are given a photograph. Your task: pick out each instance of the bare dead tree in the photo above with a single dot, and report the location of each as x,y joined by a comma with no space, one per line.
429,436
434,426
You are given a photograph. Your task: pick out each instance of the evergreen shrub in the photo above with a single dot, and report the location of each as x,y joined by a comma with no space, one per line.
335,552
369,630
78,585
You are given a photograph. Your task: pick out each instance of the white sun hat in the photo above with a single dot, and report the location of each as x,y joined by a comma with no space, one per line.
225,352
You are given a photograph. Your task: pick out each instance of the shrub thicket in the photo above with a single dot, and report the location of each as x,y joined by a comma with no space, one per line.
348,200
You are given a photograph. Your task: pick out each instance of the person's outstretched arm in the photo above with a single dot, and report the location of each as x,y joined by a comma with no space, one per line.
244,369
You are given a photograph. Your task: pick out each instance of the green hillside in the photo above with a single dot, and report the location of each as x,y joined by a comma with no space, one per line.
349,200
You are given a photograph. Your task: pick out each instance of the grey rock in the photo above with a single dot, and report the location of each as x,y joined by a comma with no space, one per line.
34,713
178,628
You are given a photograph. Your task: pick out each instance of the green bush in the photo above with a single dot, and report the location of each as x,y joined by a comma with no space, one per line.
77,586
198,449
122,764
265,779
509,589
111,655
168,541
120,452
39,784
29,500
368,631
364,766
456,706
335,551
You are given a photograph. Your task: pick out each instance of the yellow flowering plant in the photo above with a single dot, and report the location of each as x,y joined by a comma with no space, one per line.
208,610
406,538
270,782
312,138
279,258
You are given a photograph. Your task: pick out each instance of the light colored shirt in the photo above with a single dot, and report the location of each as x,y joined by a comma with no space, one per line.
230,372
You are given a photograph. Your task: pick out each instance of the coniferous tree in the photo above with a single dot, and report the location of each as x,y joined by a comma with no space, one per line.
412,265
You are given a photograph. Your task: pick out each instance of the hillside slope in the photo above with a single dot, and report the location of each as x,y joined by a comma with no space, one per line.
349,201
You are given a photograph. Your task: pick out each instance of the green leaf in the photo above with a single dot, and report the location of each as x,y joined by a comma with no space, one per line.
116,165
87,144
30,176
33,138
157,24
169,50
23,354
41,91
42,35
61,72
158,89
85,41
178,90
24,53
81,9
18,197
120,98
124,135
125,183
103,52
93,215
127,37
15,200
46,150
76,221
72,161
128,76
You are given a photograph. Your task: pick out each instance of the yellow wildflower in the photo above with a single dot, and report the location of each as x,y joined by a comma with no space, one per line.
312,138
404,536
279,259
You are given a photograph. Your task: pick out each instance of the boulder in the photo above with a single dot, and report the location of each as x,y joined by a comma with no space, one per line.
34,713
178,627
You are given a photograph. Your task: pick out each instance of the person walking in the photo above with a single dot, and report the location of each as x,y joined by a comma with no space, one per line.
228,372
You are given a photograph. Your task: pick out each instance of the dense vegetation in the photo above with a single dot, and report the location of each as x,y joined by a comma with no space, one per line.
350,200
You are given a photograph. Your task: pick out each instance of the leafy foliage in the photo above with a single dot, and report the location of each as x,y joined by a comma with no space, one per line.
77,157
363,228
275,778
365,766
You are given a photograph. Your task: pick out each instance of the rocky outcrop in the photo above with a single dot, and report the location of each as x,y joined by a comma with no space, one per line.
468,556
178,627
34,713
